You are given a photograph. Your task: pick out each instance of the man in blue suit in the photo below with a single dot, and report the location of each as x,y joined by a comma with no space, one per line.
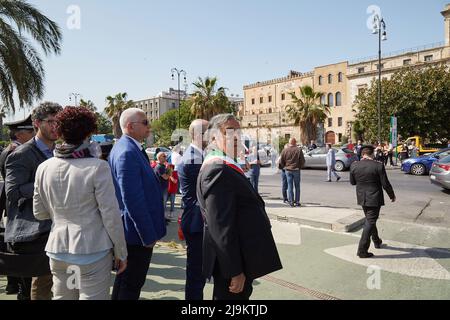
192,220
140,201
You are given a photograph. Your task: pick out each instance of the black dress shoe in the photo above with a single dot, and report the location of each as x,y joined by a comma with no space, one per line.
378,244
365,255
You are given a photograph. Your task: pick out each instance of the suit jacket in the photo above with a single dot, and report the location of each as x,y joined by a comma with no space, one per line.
138,193
188,171
5,153
78,196
237,229
21,166
370,179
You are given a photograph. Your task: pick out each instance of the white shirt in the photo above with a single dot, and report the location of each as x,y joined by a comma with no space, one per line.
177,159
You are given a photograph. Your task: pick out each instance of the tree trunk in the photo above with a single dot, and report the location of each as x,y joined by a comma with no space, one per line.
117,130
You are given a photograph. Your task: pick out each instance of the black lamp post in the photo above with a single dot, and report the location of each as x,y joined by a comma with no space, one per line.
379,27
179,73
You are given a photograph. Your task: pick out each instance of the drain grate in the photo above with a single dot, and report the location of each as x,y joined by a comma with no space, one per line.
303,290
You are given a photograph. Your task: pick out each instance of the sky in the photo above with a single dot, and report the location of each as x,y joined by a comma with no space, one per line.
130,46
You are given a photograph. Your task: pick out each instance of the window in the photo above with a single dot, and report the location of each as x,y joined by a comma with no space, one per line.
270,98
338,99
320,80
378,66
270,110
330,100
283,96
406,62
361,70
323,99
261,100
330,122
361,91
340,77
429,58
253,101
287,136
339,122
340,137
330,78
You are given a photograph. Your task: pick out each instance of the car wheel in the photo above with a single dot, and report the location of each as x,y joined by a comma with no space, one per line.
339,166
418,169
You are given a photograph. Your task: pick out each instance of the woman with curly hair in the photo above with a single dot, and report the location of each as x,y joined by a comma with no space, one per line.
75,190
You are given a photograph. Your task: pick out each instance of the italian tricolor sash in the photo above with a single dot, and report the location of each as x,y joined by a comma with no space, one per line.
218,157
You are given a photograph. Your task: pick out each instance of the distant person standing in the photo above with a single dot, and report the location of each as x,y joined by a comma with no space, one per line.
358,149
350,145
413,150
172,189
284,184
404,154
331,163
163,175
370,179
255,168
292,161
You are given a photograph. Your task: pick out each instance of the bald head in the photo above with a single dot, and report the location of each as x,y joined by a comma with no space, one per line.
196,131
293,142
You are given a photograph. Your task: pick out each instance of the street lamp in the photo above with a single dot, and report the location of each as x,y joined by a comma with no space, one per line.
75,96
179,73
379,27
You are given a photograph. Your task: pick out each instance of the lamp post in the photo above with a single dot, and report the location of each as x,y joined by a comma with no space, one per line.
379,27
179,73
75,96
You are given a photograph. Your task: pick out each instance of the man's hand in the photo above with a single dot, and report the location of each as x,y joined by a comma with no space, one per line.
120,265
237,284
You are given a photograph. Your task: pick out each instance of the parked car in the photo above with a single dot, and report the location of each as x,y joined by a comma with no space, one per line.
317,158
440,173
151,152
422,165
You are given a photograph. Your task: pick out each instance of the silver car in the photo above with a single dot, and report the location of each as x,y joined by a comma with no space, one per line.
440,173
317,158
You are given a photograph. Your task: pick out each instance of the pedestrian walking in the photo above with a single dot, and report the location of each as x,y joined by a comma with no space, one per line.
370,179
238,246
75,190
292,161
331,163
255,167
192,223
140,202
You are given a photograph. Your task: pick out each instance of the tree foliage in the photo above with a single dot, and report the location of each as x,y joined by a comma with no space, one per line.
115,106
21,68
420,98
307,112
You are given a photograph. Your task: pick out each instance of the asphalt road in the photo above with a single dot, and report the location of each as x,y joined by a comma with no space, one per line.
418,201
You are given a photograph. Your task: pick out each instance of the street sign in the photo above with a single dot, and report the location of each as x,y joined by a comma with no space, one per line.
394,132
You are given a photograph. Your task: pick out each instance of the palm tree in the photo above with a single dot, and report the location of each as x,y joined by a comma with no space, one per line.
207,101
116,105
307,112
88,105
21,69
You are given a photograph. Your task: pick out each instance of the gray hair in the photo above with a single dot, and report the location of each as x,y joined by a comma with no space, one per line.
45,109
216,123
129,115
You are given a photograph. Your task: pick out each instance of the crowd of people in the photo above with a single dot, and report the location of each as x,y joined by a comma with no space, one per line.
72,207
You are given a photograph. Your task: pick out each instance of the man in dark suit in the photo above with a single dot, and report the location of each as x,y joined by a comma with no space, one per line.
25,235
370,179
238,245
140,200
20,132
192,220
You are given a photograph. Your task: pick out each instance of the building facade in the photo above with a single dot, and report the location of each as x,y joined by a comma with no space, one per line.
263,113
155,107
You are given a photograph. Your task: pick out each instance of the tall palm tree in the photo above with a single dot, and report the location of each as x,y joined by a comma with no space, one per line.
21,69
307,112
88,105
115,106
207,100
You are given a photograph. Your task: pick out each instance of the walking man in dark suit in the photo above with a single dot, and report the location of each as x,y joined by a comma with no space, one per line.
370,179
192,220
238,245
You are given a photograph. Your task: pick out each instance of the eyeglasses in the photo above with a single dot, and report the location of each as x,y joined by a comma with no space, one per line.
51,122
144,122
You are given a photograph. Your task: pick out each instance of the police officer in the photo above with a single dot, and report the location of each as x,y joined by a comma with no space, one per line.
20,132
370,179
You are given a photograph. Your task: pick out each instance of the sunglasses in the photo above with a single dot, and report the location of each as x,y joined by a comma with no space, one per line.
144,122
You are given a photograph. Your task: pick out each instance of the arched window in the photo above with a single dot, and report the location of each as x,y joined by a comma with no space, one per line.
323,99
330,100
338,99
330,78
320,80
340,77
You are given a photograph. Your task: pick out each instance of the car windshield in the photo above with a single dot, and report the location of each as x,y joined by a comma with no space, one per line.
347,150
445,160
